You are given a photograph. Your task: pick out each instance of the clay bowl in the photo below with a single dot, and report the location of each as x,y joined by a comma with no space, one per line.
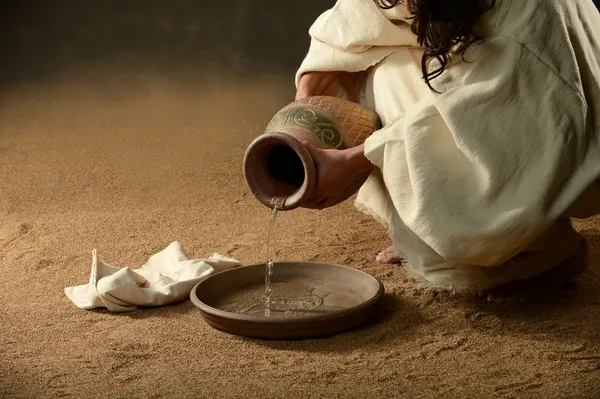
307,300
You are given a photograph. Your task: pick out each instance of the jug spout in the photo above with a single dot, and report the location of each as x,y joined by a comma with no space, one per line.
277,165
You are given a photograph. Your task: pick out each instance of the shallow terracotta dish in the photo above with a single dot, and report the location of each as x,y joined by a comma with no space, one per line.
307,300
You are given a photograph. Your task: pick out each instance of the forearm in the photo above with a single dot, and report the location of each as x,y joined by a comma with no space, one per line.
315,83
355,156
335,83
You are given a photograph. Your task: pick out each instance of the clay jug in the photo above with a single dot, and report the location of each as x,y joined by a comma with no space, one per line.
277,165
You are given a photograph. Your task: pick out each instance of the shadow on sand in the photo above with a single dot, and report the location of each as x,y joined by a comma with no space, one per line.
394,319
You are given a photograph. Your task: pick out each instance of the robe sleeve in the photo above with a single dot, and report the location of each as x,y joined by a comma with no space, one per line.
353,36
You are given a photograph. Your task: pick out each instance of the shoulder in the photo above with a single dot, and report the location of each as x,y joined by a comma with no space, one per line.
358,25
550,30
502,84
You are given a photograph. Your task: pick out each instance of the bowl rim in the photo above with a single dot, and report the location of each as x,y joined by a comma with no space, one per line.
204,308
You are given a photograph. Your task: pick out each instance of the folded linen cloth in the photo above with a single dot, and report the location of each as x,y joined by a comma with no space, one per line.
167,277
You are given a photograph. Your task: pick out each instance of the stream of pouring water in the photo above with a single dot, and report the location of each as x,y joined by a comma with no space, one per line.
277,203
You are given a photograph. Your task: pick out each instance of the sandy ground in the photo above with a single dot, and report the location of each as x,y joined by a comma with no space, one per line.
130,165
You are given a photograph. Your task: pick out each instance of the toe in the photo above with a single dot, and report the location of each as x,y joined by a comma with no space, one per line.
388,256
501,298
394,259
524,296
513,297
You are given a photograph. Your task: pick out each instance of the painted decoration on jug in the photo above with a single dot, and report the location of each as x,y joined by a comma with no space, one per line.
336,123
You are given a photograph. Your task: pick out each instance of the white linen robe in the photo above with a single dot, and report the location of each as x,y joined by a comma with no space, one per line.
476,184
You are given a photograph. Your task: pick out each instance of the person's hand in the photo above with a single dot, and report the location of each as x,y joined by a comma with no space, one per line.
315,83
340,173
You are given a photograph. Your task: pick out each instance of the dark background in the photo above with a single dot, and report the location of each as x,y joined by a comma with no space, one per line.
243,37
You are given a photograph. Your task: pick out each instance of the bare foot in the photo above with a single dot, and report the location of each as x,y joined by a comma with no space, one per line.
519,291
388,256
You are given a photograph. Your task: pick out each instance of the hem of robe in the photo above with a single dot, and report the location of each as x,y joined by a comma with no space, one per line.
559,244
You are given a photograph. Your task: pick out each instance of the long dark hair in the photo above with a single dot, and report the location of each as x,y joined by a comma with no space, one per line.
443,27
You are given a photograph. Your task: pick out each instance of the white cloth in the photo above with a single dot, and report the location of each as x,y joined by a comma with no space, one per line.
474,176
167,277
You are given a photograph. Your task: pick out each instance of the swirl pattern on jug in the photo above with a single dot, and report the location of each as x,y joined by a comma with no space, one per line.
336,123
322,127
